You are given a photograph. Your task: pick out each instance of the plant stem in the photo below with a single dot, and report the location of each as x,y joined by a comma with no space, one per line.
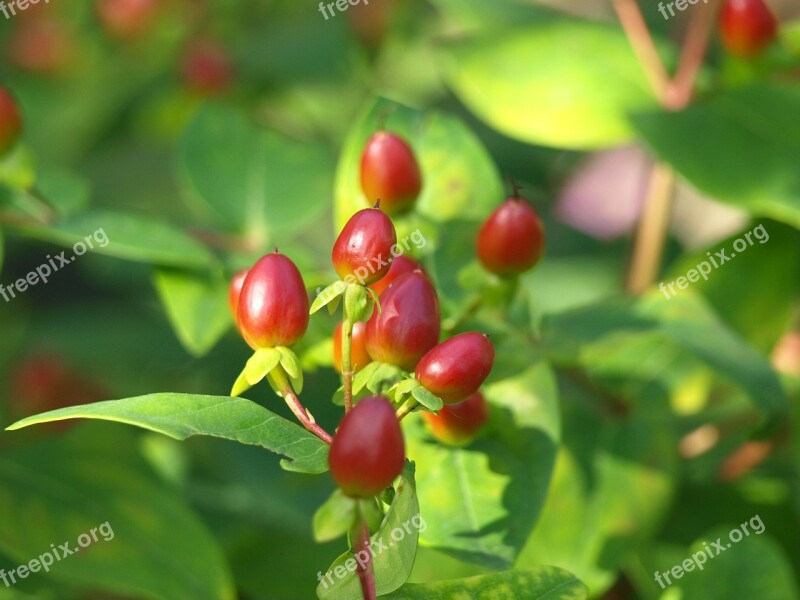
651,232
365,570
693,53
297,408
643,46
347,362
406,408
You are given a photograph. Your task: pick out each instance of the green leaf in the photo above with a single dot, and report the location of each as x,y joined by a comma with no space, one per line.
334,518
127,236
94,478
253,180
611,489
356,303
261,363
427,399
545,583
17,169
197,307
328,295
291,364
482,501
394,546
755,567
181,416
683,321
384,376
363,376
551,97
738,147
63,190
460,179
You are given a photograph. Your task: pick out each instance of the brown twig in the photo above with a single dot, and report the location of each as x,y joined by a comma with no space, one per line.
297,408
695,46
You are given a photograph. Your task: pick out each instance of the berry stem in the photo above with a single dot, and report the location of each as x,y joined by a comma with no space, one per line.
406,408
365,570
630,16
693,54
347,362
297,408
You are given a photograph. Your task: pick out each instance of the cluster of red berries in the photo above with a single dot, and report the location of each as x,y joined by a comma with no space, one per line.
391,316
747,27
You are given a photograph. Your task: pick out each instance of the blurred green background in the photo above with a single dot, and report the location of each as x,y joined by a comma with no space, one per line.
200,134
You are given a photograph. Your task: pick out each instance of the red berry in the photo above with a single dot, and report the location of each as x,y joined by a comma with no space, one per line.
390,173
363,249
126,19
359,358
456,368
368,451
234,291
408,324
273,304
400,266
43,383
10,121
511,240
207,68
458,424
40,46
747,27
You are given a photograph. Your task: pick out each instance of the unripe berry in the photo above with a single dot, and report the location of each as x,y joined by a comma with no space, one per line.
408,324
458,424
234,291
359,357
10,121
273,303
457,367
363,249
400,266
747,27
368,451
511,240
206,68
390,173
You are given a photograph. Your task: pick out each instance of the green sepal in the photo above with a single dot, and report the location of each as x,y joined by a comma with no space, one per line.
328,295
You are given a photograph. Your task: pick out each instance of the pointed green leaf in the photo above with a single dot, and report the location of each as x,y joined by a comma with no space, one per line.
334,518
181,416
542,583
328,295
394,546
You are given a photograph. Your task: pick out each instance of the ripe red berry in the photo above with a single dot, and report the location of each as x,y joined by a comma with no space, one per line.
10,121
400,266
390,173
234,291
273,303
511,240
126,19
363,249
457,367
408,324
747,27
358,349
458,424
206,68
368,451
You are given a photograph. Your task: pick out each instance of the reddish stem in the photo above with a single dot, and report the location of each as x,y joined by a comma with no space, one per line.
365,570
